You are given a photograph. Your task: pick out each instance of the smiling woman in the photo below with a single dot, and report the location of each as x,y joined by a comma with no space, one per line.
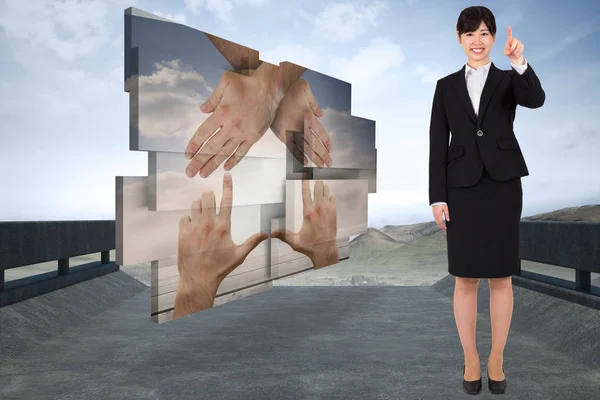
478,176
476,29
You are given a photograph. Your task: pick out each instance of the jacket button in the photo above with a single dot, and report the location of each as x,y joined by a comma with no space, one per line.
479,133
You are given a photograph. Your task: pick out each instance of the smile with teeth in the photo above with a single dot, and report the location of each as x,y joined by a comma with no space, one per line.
477,51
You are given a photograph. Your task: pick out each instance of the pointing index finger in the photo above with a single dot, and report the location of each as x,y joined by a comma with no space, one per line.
306,197
510,38
227,198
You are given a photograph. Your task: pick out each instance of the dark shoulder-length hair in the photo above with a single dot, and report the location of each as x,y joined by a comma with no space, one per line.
471,17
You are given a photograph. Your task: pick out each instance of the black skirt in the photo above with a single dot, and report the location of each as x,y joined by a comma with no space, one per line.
483,231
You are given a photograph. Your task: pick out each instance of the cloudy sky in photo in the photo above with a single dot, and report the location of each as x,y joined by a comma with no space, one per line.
64,114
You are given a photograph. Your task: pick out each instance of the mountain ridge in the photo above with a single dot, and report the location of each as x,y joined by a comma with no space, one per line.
395,235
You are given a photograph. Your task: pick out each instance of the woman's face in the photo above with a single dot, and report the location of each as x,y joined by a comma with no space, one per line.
477,45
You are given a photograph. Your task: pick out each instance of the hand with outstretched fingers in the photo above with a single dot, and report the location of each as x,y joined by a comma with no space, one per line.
206,253
317,237
298,112
243,107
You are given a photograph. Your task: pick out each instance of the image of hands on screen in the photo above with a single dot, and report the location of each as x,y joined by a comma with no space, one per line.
244,105
317,237
298,112
206,253
242,108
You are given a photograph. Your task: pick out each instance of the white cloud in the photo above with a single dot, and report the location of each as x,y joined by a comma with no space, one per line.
572,35
169,100
222,8
574,136
67,92
510,16
430,73
52,40
344,22
69,28
256,3
179,17
370,64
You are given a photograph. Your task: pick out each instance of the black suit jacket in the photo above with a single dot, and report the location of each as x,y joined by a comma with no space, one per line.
487,139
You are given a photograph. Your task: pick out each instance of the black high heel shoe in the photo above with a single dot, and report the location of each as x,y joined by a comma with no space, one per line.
471,387
497,387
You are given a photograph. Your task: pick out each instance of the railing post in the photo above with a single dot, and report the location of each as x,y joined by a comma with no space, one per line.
63,266
583,280
105,257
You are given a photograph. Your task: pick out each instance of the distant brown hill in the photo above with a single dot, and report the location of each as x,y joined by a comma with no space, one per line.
375,239
588,213
392,236
410,233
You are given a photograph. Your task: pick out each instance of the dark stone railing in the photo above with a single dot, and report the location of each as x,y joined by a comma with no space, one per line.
574,245
27,243
566,244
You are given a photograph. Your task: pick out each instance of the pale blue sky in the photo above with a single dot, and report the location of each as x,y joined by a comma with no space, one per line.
64,113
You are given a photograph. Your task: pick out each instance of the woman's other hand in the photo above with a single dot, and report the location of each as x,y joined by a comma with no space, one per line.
439,212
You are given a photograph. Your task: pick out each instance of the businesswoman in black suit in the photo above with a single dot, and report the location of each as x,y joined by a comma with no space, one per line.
475,182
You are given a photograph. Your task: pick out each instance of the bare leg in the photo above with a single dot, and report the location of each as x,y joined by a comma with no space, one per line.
501,309
465,314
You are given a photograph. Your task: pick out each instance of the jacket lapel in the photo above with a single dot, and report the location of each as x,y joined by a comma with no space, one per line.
491,84
460,88
459,85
